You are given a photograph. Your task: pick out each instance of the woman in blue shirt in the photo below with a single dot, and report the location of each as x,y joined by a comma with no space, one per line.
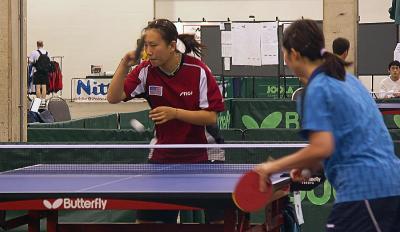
346,133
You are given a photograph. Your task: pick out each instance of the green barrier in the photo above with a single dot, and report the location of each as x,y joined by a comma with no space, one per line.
141,116
267,87
227,85
261,113
76,123
395,133
266,113
235,135
18,158
102,122
87,135
272,135
224,118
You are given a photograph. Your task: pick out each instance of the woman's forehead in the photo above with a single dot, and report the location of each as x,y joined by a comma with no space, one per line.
152,35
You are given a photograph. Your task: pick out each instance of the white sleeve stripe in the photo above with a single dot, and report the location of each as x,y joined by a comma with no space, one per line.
141,87
203,90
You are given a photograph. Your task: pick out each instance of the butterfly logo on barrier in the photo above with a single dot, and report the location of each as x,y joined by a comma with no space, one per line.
55,205
271,121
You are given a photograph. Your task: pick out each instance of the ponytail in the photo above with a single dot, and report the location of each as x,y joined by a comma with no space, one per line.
191,44
334,66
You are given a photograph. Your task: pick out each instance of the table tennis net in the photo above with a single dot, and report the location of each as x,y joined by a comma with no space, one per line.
137,159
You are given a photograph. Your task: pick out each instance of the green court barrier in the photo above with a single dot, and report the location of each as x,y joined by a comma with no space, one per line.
267,87
267,113
87,135
279,134
227,84
261,113
102,122
234,135
17,158
76,123
224,118
141,116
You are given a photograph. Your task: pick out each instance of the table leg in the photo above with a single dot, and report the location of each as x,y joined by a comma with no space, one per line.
230,220
52,221
243,221
34,221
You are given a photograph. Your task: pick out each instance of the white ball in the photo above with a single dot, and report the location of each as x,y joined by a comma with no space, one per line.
306,173
137,126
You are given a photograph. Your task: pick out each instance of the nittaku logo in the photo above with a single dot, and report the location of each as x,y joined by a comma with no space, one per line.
78,203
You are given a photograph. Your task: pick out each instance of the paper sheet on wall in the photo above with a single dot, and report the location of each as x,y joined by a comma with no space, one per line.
285,26
226,37
246,44
226,50
227,63
396,53
269,43
226,43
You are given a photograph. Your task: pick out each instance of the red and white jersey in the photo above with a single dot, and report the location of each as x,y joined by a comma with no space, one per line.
193,87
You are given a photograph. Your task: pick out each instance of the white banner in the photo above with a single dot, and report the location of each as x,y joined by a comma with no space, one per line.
89,90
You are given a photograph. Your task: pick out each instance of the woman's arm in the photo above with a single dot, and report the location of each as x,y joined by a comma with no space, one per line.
115,92
321,146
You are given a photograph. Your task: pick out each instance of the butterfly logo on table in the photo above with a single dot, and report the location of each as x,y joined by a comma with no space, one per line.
55,205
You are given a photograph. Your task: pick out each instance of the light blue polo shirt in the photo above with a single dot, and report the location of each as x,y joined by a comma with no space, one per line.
363,164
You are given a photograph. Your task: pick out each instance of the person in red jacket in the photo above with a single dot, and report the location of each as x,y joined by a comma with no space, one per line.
181,90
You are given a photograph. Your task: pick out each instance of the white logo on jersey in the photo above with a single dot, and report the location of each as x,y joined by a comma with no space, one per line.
187,93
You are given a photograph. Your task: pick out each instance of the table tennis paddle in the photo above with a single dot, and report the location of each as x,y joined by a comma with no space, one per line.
247,195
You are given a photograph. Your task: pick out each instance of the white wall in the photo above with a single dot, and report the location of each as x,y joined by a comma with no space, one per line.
214,10
374,11
87,32
370,11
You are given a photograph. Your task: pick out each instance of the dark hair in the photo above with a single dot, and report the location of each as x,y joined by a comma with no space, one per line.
39,43
394,63
340,45
307,38
169,33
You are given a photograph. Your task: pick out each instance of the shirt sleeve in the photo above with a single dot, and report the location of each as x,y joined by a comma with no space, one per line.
135,82
210,95
32,57
382,90
317,115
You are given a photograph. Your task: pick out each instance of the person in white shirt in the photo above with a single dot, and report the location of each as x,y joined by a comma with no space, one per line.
390,86
40,78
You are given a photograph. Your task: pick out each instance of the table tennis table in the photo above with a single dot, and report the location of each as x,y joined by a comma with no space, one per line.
44,189
389,108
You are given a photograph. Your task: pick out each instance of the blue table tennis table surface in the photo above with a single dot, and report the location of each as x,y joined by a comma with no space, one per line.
125,178
384,106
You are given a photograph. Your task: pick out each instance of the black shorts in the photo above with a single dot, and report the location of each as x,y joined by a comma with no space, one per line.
40,78
382,214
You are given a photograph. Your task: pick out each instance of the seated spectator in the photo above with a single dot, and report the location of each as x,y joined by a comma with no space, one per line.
390,86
